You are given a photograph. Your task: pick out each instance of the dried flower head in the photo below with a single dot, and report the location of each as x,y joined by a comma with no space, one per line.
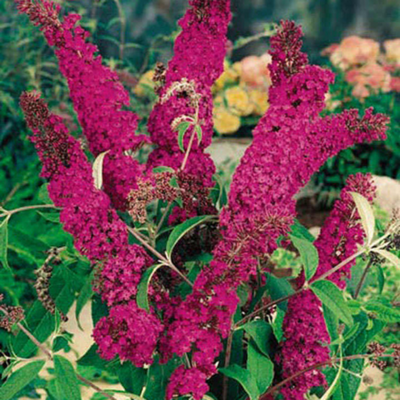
378,351
9,315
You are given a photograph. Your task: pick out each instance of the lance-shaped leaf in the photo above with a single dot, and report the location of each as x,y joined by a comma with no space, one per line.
21,378
4,243
199,132
332,297
182,129
308,254
244,377
389,256
260,367
327,395
366,214
142,297
67,386
98,170
182,229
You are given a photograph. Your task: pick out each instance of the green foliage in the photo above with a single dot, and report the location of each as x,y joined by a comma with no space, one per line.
308,254
332,297
143,287
19,379
66,383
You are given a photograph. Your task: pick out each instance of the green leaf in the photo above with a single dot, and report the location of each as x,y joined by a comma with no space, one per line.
98,170
132,378
99,309
4,243
67,386
39,321
260,331
308,254
158,377
52,217
84,296
142,298
260,367
381,279
366,214
28,247
62,342
21,378
332,297
393,259
92,359
199,132
277,324
158,170
182,229
383,312
301,231
182,129
278,288
244,377
332,322
335,382
43,194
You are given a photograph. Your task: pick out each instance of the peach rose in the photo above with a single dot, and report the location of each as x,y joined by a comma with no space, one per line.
254,71
353,51
392,49
395,84
370,77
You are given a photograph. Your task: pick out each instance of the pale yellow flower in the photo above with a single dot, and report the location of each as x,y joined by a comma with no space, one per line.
238,101
259,99
225,122
229,76
145,83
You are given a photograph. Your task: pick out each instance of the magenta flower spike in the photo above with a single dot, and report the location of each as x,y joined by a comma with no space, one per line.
338,240
99,98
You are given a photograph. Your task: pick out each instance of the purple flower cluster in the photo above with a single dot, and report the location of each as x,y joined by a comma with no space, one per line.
130,332
99,234
199,54
261,205
99,98
339,238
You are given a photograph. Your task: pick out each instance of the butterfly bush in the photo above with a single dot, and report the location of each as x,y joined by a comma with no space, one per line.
338,240
99,234
290,143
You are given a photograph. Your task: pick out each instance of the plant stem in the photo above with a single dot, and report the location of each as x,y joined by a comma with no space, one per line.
95,387
226,363
123,29
362,280
49,356
188,149
163,259
31,337
274,388
160,224
26,208
266,307
320,278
